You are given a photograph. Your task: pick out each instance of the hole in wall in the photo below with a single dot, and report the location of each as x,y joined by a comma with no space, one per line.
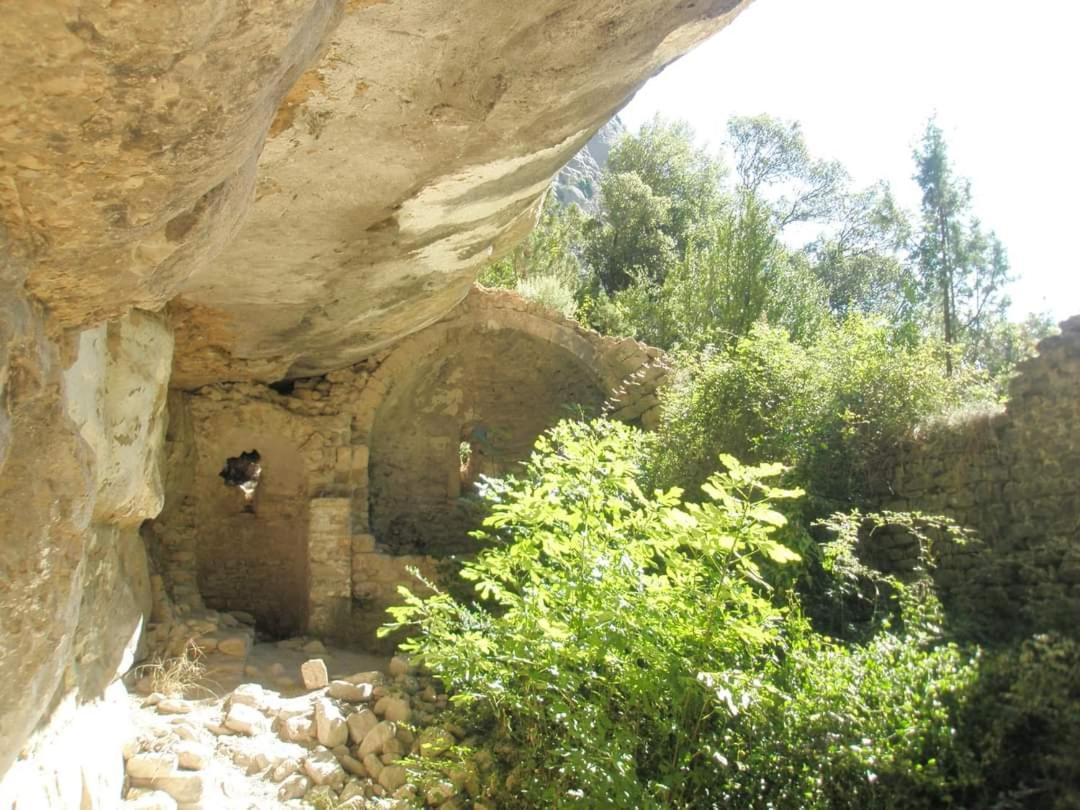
244,472
283,387
253,561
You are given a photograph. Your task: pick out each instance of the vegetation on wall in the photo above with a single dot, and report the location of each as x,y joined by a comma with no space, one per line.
633,649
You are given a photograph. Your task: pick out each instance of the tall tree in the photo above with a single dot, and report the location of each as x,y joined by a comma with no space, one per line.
773,163
965,267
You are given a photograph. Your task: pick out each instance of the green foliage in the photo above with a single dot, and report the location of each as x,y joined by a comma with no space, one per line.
550,251
549,291
773,162
633,650
1021,726
834,409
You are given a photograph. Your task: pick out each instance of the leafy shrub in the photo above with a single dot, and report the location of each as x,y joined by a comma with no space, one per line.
1021,726
835,410
549,291
630,650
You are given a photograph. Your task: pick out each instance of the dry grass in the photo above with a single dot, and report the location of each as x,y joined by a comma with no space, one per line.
179,676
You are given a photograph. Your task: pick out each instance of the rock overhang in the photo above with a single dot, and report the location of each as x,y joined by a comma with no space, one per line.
306,182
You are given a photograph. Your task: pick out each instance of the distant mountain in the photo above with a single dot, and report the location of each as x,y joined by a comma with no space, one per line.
579,180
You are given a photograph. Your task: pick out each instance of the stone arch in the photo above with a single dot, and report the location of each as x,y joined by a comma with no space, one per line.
624,372
493,388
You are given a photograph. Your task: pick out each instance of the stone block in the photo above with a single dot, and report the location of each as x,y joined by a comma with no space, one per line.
313,673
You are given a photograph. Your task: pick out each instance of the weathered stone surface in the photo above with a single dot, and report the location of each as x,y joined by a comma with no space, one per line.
246,720
353,693
330,728
78,461
192,756
151,765
393,776
1013,477
323,768
360,723
184,787
396,709
378,737
294,787
313,673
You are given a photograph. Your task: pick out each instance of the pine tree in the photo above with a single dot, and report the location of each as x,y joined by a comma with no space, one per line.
963,269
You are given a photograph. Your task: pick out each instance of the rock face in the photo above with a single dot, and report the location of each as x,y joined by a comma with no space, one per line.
578,182
313,178
301,183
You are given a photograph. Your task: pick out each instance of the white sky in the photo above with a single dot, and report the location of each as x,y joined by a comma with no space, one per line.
864,75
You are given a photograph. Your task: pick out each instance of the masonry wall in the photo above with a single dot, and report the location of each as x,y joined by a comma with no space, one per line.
362,478
1013,477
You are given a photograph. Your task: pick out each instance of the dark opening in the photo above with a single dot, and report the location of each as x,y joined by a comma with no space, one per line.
243,472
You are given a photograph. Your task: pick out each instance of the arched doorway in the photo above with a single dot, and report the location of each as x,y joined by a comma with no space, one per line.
472,407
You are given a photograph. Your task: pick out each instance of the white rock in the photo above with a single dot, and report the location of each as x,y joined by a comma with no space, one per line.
297,729
313,673
184,787
192,756
173,706
253,695
330,727
151,800
185,731
246,720
323,768
375,739
394,708
360,723
352,692
295,787
284,769
374,677
151,765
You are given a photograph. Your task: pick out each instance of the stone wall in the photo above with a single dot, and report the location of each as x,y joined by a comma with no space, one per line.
362,474
1013,477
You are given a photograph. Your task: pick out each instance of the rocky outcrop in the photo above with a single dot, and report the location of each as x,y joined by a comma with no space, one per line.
73,491
578,182
313,178
300,183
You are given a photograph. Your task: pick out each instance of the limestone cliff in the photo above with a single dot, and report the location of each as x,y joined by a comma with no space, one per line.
300,182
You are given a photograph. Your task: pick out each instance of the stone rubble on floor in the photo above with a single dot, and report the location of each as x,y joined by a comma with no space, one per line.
340,744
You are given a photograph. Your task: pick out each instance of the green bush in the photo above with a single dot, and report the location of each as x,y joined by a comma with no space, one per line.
835,409
549,291
633,650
